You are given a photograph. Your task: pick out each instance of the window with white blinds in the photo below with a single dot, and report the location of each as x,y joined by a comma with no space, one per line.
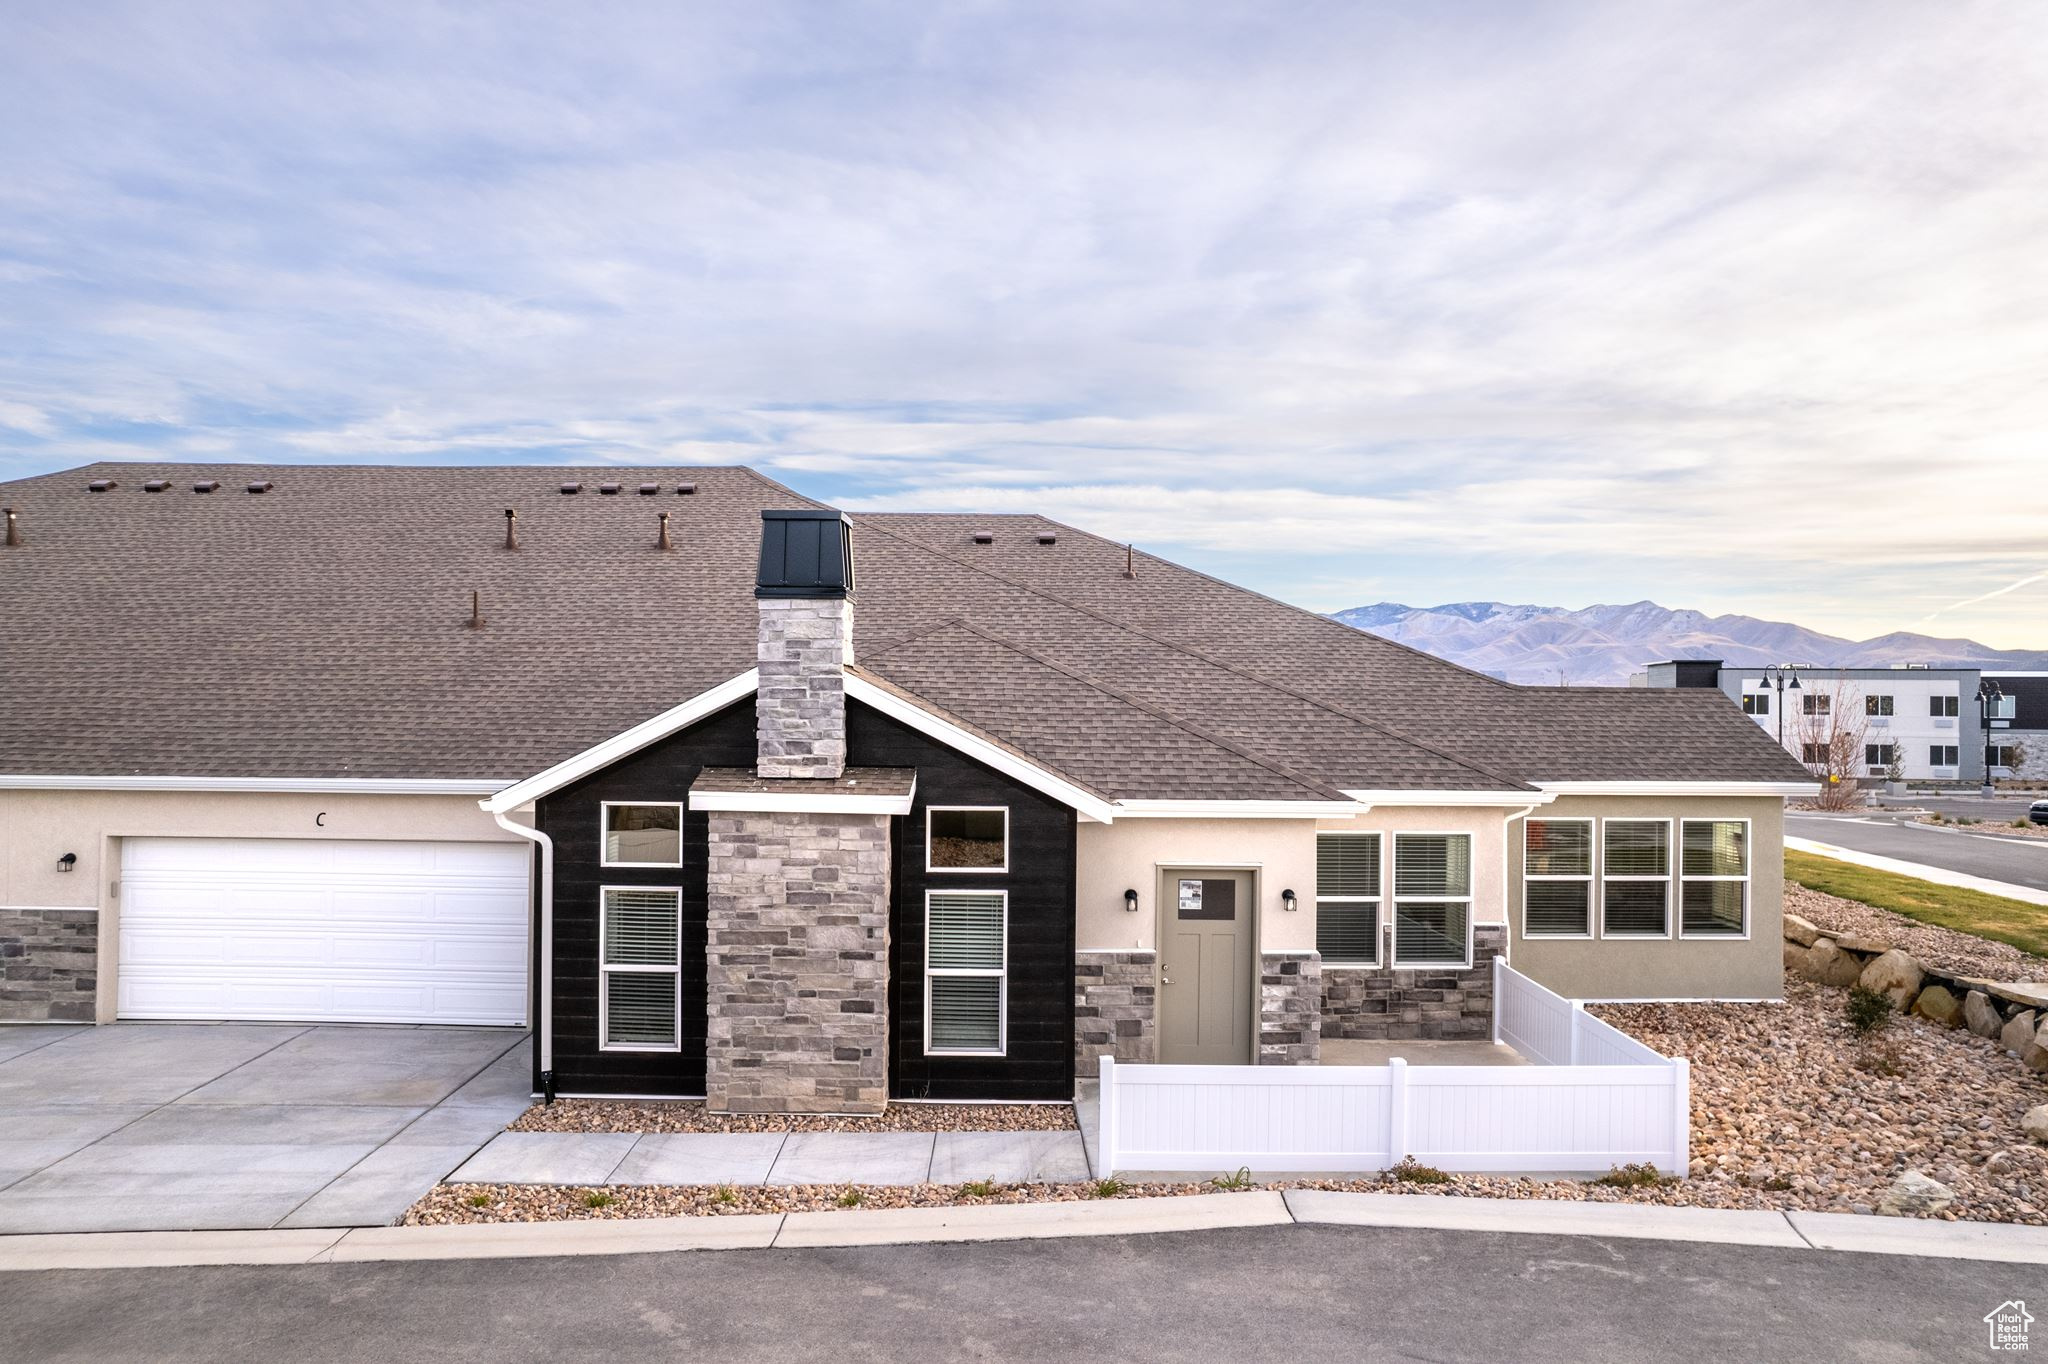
639,968
1635,879
1557,878
1432,899
1348,899
966,960
1713,874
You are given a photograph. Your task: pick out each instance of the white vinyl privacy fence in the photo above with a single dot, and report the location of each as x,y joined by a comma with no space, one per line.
1593,1099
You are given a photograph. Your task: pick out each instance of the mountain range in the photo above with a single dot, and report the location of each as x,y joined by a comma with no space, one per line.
1601,646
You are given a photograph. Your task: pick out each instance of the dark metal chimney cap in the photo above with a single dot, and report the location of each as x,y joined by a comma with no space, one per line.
100,485
805,554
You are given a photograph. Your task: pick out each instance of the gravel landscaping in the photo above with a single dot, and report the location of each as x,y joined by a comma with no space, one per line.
680,1115
1941,947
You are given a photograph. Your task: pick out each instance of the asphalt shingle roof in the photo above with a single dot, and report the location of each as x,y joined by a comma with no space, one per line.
321,629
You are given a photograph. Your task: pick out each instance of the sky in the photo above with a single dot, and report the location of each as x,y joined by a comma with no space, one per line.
1740,307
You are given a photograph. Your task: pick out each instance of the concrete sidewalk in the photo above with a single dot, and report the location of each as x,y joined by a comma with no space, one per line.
1797,1231
777,1158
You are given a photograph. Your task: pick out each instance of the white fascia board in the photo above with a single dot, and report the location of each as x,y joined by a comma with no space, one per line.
1235,809
1091,807
1680,788
796,802
624,743
321,786
1505,799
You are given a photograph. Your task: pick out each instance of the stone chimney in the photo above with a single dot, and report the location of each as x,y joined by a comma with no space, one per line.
805,594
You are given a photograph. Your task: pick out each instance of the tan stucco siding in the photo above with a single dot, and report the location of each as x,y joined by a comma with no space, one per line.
39,827
1674,967
1128,855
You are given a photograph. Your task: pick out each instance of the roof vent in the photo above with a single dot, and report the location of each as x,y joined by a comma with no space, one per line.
649,489
100,485
568,489
261,485
511,529
13,529
208,485
806,554
156,485
608,489
663,542
984,537
1046,537
686,489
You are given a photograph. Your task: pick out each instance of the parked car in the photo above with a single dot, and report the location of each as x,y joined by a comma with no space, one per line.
2038,812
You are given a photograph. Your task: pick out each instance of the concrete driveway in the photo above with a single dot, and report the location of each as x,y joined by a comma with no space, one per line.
174,1126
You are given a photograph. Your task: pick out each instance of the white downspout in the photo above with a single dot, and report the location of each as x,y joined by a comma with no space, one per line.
546,964
1507,909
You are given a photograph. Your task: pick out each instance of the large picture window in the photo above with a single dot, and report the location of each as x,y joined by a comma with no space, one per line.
637,835
967,838
966,959
639,1001
1432,899
1557,879
1348,899
1713,875
1635,879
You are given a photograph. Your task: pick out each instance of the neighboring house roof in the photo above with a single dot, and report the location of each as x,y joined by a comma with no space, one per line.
320,629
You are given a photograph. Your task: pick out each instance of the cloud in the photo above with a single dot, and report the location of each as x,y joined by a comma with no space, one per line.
1733,305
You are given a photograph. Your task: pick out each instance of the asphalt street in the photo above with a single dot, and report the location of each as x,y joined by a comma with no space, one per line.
1275,1293
1976,851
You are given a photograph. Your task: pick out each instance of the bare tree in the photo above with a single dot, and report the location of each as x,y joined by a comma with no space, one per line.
1830,729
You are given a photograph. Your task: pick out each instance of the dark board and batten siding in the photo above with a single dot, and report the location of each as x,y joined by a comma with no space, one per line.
1039,1058
1038,1063
658,773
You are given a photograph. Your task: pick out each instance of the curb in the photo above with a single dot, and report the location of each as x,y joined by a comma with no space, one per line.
1801,1231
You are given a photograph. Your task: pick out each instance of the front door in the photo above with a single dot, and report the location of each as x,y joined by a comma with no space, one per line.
1205,967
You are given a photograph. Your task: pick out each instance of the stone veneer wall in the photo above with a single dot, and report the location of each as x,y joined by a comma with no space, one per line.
1290,1008
803,647
49,965
1115,1008
1374,1004
797,963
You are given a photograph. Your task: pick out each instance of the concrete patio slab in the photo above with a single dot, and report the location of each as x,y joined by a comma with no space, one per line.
854,1158
1009,1157
547,1158
94,1138
1343,1052
37,1135
407,1068
701,1158
17,1038
152,1063
376,1190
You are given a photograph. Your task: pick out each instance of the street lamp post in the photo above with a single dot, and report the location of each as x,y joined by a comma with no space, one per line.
1989,697
1781,675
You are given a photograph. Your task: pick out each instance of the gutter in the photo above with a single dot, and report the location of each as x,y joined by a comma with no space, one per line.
545,1024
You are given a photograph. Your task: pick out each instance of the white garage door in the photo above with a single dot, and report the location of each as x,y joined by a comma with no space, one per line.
342,931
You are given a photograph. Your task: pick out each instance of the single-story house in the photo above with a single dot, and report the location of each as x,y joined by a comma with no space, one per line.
726,793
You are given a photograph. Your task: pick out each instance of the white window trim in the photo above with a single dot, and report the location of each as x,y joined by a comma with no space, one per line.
1880,706
1395,898
1588,880
931,810
1748,865
604,833
1670,871
604,994
1002,1047
1378,902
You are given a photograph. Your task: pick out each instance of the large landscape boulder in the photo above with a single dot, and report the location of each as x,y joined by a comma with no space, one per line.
2018,1033
1828,964
1937,1005
1980,1015
2035,1053
1894,975
2035,1124
1802,931
1913,1194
